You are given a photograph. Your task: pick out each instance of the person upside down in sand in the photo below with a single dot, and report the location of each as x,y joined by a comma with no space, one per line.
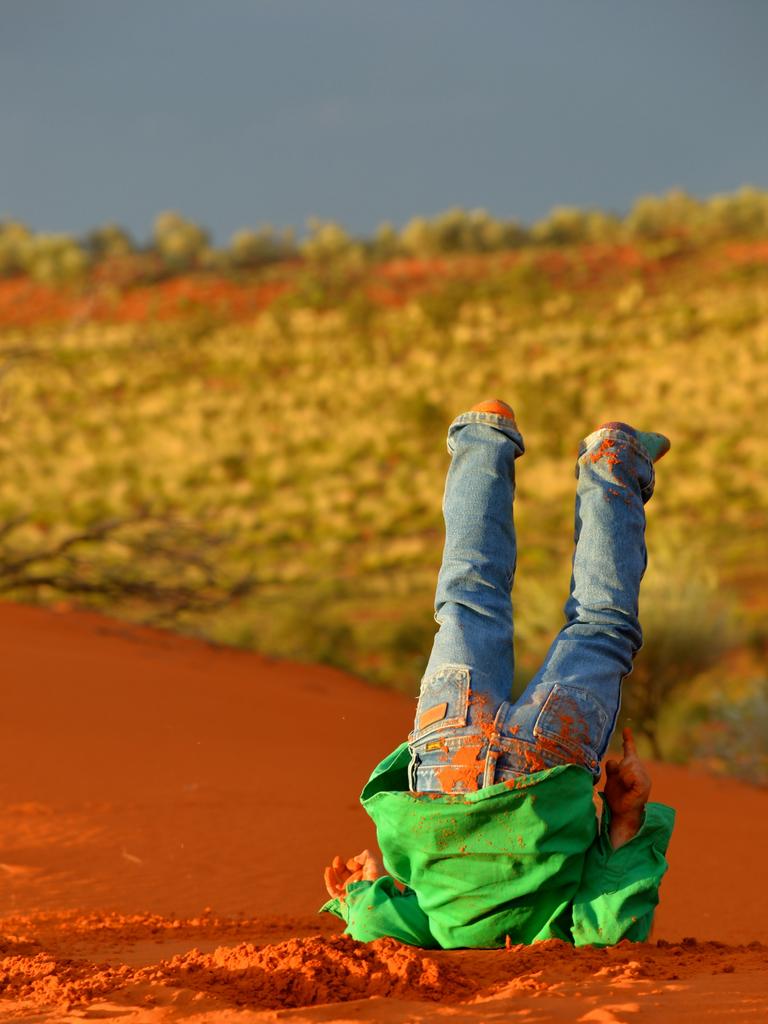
485,818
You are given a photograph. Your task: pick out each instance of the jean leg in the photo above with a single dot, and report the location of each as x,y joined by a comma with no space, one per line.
471,666
568,711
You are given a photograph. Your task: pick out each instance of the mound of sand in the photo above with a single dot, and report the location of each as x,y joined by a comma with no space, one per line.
166,808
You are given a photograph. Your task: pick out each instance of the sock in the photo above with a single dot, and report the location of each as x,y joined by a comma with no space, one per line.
495,405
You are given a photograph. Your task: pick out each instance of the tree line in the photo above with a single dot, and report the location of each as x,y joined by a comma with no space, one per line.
179,245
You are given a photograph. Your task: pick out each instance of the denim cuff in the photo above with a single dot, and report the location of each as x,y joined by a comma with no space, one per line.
492,419
591,441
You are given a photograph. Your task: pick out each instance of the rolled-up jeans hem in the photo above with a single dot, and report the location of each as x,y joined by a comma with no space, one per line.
492,419
590,441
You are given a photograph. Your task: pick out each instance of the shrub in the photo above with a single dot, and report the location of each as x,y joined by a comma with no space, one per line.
109,241
249,248
686,630
568,225
182,244
733,737
329,243
14,239
54,259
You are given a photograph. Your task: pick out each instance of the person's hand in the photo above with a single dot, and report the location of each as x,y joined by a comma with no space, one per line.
627,788
364,866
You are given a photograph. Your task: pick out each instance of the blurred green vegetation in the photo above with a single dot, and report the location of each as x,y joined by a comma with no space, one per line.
277,483
673,222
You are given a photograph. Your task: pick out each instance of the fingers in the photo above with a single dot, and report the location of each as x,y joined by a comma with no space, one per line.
634,780
372,869
363,866
371,865
630,750
339,874
335,876
631,771
359,859
611,767
337,868
332,882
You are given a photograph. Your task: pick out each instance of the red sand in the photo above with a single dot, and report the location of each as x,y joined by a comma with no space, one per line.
149,778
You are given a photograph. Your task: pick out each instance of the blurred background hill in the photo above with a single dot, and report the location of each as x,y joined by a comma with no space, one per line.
247,442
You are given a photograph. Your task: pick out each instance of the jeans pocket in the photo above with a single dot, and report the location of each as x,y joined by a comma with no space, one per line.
443,702
574,720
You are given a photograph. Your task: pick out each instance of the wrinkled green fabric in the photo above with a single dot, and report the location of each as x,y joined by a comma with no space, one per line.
525,860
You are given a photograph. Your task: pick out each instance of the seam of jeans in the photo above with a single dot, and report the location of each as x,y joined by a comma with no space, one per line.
451,740
510,748
475,416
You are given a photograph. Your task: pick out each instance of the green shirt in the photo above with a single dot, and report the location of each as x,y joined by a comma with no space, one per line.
523,859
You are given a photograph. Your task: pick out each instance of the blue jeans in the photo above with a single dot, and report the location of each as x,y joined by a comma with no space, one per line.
468,733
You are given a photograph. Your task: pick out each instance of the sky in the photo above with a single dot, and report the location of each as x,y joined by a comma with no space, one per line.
244,112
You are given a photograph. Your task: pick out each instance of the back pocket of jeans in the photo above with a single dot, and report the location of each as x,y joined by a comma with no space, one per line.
443,701
574,719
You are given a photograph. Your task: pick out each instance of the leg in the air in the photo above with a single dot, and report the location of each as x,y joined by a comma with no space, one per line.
470,669
568,711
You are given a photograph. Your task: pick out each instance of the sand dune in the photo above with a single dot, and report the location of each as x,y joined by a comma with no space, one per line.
166,808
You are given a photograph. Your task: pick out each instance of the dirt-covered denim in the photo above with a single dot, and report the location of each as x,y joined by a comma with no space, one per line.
467,732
